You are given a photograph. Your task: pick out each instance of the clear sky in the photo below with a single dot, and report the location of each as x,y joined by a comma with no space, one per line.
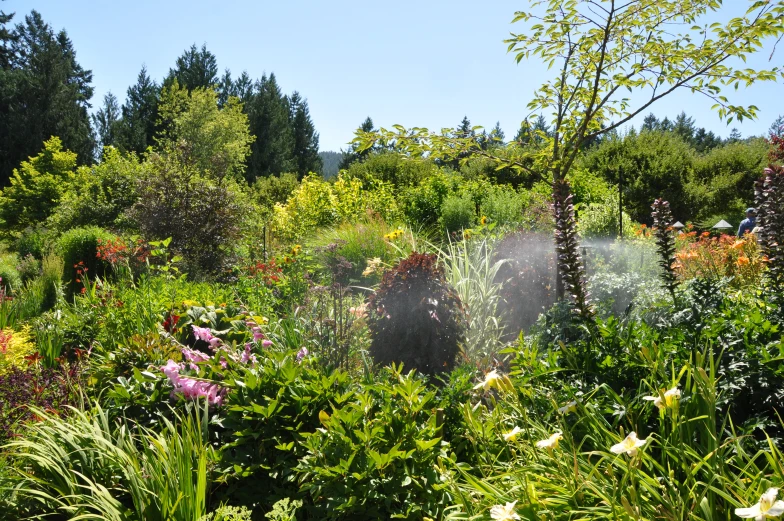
416,63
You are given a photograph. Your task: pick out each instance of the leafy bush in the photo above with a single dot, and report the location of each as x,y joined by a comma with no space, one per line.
457,213
101,194
422,204
376,456
31,242
15,346
272,190
415,317
391,168
600,220
9,274
29,268
37,186
203,217
504,206
78,249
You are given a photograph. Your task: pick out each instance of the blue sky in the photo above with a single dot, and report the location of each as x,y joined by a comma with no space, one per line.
416,63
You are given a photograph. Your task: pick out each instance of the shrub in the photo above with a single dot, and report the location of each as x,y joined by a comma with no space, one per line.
599,220
29,268
204,217
9,274
416,318
15,346
272,190
457,213
31,242
504,206
79,251
376,455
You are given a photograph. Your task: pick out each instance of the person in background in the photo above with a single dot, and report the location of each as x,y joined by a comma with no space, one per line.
748,223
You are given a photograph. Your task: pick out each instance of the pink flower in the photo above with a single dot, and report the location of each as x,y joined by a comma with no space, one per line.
204,334
302,354
266,343
190,388
247,356
194,357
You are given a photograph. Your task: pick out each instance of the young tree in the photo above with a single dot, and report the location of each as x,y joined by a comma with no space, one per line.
601,50
106,120
684,127
650,123
497,136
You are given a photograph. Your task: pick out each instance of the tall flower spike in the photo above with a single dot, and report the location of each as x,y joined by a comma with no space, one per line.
769,198
665,243
570,265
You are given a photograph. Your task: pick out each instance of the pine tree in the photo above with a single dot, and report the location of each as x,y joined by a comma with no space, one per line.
351,155
684,127
665,125
735,136
195,68
497,136
241,88
44,92
137,128
650,123
306,139
464,129
6,38
106,120
268,114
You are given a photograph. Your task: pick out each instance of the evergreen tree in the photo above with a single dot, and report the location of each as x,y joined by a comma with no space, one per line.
705,141
735,136
464,129
497,136
137,128
777,128
241,88
106,120
524,133
541,126
684,127
268,115
650,123
6,37
666,125
44,92
351,155
306,139
195,68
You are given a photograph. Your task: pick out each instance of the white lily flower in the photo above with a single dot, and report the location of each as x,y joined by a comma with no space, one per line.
766,508
505,512
629,445
551,442
512,435
569,407
671,397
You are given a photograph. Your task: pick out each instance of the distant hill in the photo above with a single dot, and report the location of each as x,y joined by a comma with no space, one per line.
331,163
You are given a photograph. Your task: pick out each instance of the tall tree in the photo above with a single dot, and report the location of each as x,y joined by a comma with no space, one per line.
106,120
684,127
44,92
268,115
137,128
240,88
195,68
497,136
306,139
650,123
6,37
353,154
464,129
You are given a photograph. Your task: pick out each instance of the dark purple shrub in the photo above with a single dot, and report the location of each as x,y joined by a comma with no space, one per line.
416,318
665,243
49,389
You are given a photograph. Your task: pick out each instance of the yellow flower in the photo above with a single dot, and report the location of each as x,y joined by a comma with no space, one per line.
766,508
494,380
504,513
512,435
551,442
671,398
483,220
373,266
629,445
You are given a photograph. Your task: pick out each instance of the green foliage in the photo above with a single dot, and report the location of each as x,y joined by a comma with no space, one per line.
9,274
86,466
391,168
597,220
272,190
227,513
37,186
377,454
416,318
78,248
31,242
458,213
422,204
100,195
652,164
213,140
504,206
203,216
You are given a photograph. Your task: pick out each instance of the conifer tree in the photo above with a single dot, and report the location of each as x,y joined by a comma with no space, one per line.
306,139
44,92
352,155
106,120
268,114
139,112
195,68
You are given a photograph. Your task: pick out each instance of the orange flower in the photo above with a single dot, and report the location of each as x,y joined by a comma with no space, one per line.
742,260
738,244
705,234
